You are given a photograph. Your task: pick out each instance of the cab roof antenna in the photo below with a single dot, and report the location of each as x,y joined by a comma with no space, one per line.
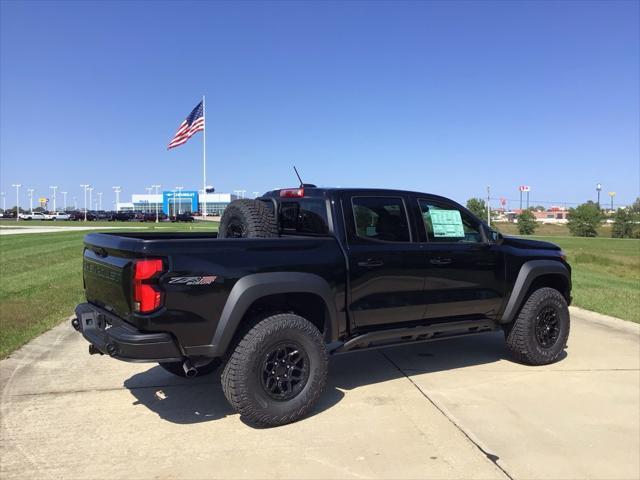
298,175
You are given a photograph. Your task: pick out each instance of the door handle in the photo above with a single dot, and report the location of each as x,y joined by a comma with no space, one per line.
370,263
440,261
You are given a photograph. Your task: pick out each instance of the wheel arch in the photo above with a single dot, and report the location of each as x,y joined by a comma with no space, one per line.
301,293
536,274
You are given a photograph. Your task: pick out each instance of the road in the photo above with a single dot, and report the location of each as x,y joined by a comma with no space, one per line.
450,409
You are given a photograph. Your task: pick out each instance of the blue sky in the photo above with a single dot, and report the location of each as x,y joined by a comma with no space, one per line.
445,97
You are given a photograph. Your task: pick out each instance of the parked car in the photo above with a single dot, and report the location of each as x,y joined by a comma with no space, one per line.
79,216
303,273
182,217
103,215
151,216
121,216
57,216
31,216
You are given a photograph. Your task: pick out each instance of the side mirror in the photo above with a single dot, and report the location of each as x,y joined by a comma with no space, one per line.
497,237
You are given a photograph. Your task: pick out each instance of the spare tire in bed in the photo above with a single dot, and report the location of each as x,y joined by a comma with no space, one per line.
247,219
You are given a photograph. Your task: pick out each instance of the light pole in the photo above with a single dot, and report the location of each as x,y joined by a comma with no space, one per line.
90,197
488,205
4,201
75,203
598,189
156,187
64,201
84,187
612,194
99,201
30,192
54,188
117,191
179,189
17,187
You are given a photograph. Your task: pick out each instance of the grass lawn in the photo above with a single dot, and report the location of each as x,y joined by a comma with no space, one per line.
41,276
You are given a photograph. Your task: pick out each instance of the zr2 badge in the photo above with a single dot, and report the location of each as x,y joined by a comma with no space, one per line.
206,280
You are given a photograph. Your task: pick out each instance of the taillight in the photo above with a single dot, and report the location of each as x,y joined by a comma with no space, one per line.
146,296
292,192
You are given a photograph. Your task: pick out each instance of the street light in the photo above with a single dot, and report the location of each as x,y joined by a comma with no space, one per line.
30,191
156,187
75,203
179,189
4,201
17,187
612,194
598,189
84,187
54,188
64,201
117,191
99,201
90,197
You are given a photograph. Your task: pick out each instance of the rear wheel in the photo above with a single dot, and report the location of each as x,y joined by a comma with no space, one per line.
539,334
247,219
177,369
277,371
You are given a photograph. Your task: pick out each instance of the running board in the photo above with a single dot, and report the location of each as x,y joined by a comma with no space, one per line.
421,333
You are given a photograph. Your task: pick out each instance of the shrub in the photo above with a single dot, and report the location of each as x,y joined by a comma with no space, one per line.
583,221
527,223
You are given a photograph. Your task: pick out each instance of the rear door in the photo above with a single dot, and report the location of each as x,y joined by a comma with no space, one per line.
464,274
385,260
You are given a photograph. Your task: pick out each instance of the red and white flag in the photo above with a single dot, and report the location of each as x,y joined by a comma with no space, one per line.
192,124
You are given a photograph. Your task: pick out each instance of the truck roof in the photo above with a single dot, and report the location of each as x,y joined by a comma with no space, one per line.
314,191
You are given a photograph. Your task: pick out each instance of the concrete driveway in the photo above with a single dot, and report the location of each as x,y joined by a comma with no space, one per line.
450,409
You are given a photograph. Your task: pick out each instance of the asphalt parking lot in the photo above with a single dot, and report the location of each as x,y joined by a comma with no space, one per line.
450,409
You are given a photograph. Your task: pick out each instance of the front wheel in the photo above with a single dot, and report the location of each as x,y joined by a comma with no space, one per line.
538,336
277,371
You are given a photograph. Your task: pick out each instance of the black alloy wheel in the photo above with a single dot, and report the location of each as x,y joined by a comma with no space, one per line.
547,327
285,371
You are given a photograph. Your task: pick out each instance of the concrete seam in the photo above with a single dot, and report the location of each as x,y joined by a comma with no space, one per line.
490,456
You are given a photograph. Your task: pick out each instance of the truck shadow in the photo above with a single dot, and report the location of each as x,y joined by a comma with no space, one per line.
187,401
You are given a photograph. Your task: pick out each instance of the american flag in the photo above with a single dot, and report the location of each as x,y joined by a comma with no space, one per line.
192,124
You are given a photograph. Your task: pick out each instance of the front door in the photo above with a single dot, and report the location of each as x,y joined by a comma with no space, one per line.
385,262
464,274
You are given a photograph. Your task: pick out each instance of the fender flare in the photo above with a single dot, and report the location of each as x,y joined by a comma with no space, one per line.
528,273
253,287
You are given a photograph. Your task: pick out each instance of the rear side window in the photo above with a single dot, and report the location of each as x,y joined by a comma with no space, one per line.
304,215
381,218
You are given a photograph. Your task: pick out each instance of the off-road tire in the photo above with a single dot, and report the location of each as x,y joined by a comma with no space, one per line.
247,219
243,375
176,368
523,340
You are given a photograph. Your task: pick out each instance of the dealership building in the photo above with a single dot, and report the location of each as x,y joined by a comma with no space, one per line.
173,201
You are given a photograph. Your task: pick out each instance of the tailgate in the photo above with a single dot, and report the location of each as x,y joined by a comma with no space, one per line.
107,279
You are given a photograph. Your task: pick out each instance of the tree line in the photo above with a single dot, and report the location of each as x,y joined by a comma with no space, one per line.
582,221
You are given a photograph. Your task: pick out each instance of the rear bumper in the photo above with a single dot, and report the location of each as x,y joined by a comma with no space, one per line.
113,336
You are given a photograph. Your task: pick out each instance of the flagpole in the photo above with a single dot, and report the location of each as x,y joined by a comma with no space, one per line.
204,163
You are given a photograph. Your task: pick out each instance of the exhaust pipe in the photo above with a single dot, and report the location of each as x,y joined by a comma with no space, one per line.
189,370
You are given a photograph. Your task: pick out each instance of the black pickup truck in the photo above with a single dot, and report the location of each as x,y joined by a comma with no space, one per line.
302,273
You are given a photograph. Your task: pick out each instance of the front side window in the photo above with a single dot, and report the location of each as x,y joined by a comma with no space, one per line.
381,218
445,223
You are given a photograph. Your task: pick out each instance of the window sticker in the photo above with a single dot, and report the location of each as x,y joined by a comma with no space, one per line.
446,223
